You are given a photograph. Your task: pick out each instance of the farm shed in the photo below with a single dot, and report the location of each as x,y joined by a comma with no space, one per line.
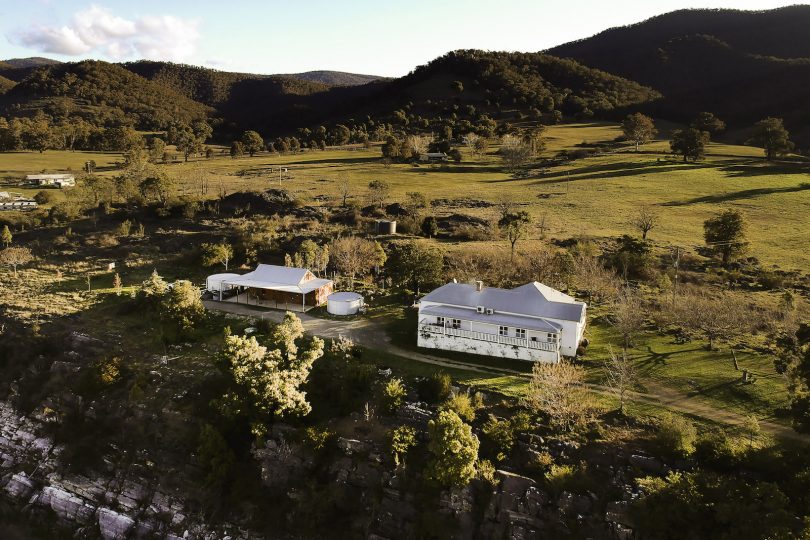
56,180
279,287
344,303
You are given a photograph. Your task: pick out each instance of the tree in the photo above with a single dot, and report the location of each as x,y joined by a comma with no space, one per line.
515,226
414,265
793,360
38,134
628,317
725,234
645,220
514,153
622,375
690,143
378,192
157,186
117,285
716,317
705,504
353,256
153,287
344,188
639,128
471,140
6,236
252,142
182,305
771,134
214,457
429,227
454,449
213,254
267,380
156,149
16,256
237,150
556,391
709,123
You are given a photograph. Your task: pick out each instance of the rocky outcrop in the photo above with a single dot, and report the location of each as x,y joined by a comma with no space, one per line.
120,507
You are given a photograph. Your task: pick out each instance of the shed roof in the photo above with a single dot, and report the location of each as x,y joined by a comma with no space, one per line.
533,300
280,278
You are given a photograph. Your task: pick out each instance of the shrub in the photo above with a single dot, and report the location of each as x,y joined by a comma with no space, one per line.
454,449
464,406
676,435
45,197
393,394
402,440
486,471
436,388
317,438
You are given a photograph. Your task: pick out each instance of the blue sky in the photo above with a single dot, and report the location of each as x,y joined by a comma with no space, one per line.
362,36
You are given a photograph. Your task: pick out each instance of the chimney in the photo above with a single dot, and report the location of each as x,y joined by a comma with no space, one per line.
479,286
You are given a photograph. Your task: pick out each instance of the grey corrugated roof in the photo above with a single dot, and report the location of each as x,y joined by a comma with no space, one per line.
533,299
499,319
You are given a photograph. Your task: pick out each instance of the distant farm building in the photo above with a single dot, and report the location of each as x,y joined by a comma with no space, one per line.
278,287
15,201
53,180
434,157
532,322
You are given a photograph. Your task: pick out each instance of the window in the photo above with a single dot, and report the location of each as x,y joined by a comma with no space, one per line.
440,321
480,309
456,323
552,338
503,330
520,333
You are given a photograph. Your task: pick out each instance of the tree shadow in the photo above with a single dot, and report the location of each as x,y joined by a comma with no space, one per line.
751,169
738,195
608,170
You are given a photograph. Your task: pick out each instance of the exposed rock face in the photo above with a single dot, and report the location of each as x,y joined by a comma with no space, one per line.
114,526
122,507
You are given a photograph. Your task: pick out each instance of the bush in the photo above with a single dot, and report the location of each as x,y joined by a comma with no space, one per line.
503,433
317,438
402,440
676,436
45,197
486,471
436,388
464,406
393,394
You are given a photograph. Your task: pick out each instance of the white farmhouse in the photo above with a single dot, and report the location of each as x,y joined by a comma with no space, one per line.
532,322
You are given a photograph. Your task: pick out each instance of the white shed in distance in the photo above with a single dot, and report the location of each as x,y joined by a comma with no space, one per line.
344,303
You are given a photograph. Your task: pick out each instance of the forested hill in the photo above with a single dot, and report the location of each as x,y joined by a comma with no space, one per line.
335,78
742,65
32,62
101,93
523,82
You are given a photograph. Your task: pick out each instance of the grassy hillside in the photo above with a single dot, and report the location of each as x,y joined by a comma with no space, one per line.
743,66
5,84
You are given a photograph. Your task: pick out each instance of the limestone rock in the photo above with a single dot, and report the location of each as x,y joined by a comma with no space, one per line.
114,526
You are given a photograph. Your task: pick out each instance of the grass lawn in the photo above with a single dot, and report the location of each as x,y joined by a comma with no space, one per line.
694,371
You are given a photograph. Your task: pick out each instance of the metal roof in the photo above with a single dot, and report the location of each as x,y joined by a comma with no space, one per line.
533,300
498,319
279,278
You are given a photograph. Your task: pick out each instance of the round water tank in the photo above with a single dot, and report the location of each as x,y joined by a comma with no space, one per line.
214,283
344,303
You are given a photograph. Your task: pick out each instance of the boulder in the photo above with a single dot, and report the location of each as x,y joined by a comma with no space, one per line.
19,486
66,505
571,503
618,512
646,463
114,526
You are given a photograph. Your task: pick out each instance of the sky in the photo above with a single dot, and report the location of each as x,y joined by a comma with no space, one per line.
376,37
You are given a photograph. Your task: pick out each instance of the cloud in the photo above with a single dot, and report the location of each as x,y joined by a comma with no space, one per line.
97,30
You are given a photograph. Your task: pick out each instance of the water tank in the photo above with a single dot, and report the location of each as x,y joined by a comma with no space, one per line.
384,226
214,283
344,303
